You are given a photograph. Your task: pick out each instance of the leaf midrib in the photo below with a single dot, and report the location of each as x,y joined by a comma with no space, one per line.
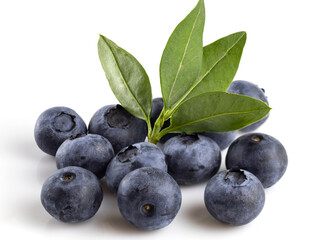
215,64
200,79
184,54
214,116
124,81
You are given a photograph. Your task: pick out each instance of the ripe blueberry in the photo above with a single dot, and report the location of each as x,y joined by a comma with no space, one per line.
92,152
249,89
118,126
72,194
234,197
54,126
149,198
260,154
222,139
135,156
192,158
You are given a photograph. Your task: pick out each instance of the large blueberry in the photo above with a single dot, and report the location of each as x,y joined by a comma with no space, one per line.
92,152
192,158
135,156
54,126
149,198
260,154
234,197
72,194
249,89
118,126
222,139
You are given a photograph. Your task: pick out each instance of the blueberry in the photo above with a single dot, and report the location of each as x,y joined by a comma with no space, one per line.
72,194
135,156
222,139
149,198
234,197
260,154
192,158
92,152
54,126
118,126
168,136
249,89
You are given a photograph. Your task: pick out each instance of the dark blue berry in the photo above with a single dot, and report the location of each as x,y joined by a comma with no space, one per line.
234,197
149,198
192,158
251,90
260,154
54,126
118,126
72,194
135,156
92,152
222,139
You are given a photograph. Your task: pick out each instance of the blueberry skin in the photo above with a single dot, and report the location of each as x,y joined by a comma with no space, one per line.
260,154
234,197
192,159
168,136
135,156
54,126
222,139
72,194
149,198
92,152
118,126
247,88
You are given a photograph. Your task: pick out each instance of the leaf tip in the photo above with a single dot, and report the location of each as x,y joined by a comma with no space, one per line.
201,3
101,39
243,34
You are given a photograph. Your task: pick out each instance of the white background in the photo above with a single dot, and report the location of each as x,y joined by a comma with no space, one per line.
48,57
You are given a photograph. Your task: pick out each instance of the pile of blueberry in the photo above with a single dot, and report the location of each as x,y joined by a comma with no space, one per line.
146,177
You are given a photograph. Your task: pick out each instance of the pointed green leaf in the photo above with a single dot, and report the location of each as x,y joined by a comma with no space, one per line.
216,112
182,58
220,63
127,78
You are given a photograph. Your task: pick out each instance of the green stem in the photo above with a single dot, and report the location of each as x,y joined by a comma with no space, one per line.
163,133
148,122
153,135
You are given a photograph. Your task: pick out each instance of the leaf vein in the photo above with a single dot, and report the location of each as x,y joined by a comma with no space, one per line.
124,81
215,64
200,79
184,54
213,116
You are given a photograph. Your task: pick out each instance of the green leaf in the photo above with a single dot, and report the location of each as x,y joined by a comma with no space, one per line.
127,78
220,63
216,112
182,57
